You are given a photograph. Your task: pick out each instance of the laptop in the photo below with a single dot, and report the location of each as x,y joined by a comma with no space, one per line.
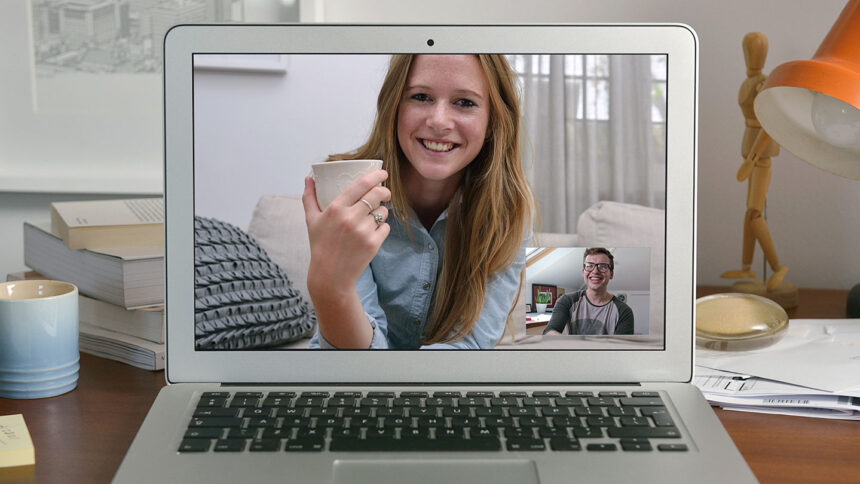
535,409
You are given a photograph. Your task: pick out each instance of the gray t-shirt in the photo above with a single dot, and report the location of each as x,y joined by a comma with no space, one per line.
576,313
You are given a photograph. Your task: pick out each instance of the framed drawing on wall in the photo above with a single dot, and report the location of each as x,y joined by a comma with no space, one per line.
82,107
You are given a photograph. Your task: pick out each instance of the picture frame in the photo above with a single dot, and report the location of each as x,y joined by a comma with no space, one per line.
528,307
553,290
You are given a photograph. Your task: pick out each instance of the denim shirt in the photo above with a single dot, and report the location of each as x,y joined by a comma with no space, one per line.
396,291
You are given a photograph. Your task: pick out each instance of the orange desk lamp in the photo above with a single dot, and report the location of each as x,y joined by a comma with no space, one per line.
812,107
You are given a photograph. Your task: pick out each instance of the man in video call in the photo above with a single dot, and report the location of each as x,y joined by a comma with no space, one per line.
592,310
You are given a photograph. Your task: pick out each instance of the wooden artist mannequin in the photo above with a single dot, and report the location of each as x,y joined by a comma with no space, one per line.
757,148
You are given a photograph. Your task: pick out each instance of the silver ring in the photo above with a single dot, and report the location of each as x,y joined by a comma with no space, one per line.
369,206
377,218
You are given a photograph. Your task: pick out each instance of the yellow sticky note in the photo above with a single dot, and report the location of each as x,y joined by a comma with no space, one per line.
16,448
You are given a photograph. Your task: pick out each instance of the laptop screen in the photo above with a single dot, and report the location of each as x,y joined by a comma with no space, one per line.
563,249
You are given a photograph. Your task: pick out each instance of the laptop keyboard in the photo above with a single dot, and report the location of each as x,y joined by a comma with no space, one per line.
424,421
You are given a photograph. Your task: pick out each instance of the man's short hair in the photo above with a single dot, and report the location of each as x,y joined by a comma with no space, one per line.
600,250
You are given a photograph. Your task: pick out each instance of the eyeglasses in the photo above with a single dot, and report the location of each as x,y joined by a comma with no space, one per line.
589,266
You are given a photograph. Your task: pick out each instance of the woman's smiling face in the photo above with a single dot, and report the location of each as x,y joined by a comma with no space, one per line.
443,115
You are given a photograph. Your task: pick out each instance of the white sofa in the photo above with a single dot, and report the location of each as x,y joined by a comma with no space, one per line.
278,224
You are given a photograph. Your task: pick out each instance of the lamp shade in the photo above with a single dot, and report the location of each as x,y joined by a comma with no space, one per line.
812,107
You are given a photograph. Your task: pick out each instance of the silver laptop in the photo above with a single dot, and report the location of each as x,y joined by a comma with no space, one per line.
534,408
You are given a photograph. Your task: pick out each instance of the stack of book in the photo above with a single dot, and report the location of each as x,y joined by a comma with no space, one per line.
113,251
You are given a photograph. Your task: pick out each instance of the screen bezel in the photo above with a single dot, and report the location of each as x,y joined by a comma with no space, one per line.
673,363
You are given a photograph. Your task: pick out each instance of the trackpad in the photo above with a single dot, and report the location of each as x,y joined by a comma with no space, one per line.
435,471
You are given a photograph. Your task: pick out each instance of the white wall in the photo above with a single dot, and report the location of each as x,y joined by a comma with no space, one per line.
262,132
813,215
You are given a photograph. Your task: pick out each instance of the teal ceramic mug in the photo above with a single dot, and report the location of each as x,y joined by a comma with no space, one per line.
38,338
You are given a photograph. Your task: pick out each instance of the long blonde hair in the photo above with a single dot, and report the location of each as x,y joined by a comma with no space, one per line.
489,213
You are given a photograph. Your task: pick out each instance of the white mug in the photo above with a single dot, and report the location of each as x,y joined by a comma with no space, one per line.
38,338
333,177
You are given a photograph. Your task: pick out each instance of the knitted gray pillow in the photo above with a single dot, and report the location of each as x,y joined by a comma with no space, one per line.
243,299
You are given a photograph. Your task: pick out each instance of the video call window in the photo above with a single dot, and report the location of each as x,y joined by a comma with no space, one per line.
592,130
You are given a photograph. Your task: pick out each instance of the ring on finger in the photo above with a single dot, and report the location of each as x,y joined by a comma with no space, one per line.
379,219
369,206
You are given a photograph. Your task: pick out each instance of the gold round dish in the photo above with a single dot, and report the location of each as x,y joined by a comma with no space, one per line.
735,321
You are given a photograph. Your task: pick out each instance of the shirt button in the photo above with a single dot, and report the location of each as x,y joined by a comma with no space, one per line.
426,286
430,246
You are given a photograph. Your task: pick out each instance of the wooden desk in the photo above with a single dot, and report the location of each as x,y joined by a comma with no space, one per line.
83,435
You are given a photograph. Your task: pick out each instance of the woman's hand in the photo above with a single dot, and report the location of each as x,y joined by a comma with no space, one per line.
344,238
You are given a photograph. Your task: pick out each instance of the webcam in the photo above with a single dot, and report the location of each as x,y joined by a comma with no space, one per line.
430,42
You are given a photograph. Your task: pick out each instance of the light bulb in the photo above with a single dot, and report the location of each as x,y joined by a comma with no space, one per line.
836,121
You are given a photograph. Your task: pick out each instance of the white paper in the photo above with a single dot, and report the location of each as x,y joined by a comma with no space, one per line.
820,354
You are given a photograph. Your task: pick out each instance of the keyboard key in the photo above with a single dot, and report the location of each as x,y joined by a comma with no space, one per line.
242,433
552,432
580,394
518,433
647,432
216,412
248,395
644,394
257,412
406,402
379,394
522,411
600,422
315,395
291,412
304,401
472,402
489,412
635,422
621,411
330,423
641,402
563,421
552,411
212,402
203,433
601,401
391,412
516,444
601,447
411,433
663,420
612,394
513,394
265,445
305,445
195,445
292,422
450,433
536,402
636,446
342,402
229,445
257,422
324,412
545,394
307,433
273,433
223,422
672,447
413,445
588,432
414,394
356,412
447,394
588,411
215,395
564,443
244,402
282,394
480,394
569,402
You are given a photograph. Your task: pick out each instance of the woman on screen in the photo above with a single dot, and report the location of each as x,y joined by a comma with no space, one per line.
438,265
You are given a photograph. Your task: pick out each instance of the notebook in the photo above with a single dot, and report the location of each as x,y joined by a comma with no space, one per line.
249,108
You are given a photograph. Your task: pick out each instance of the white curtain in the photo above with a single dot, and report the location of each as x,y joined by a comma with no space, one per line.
589,134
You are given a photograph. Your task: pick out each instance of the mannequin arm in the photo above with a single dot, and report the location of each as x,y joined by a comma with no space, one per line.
760,145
